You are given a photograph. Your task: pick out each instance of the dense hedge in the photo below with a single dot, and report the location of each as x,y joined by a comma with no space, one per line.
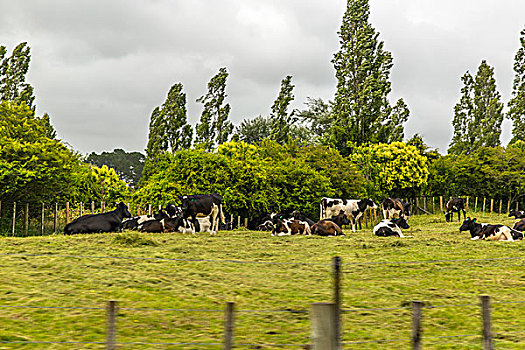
253,179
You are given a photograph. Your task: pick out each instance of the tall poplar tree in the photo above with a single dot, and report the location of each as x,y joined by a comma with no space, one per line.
517,103
280,120
169,129
13,70
362,111
214,127
479,113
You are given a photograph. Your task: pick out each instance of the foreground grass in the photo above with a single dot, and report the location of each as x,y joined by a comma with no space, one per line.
206,272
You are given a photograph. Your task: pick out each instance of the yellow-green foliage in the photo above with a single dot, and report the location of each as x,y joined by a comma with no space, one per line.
392,167
107,185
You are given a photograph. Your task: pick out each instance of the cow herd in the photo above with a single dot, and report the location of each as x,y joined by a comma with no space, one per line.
203,213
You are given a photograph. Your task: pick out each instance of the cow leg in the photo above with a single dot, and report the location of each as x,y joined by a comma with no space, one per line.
196,226
215,223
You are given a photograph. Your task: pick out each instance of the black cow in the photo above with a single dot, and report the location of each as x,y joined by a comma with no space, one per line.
202,205
489,232
395,206
518,214
110,221
391,227
340,219
455,205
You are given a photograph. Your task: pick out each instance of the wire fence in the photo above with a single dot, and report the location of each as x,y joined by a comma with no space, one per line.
344,311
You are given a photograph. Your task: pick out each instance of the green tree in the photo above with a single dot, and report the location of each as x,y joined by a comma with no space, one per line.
169,128
254,130
280,121
517,103
34,166
214,127
107,185
128,165
478,115
362,111
13,70
317,117
394,169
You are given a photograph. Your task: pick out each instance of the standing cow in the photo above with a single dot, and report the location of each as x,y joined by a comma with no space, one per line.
455,205
353,208
202,205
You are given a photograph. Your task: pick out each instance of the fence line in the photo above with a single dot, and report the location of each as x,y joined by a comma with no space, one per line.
52,218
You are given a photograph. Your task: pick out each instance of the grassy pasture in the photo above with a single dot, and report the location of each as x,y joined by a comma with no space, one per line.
135,269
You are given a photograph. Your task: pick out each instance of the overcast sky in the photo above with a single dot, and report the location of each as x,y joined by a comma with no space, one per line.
100,67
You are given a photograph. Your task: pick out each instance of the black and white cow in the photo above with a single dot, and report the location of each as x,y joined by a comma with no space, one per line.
136,222
284,227
391,227
395,207
173,211
110,221
455,205
518,214
489,232
353,208
202,205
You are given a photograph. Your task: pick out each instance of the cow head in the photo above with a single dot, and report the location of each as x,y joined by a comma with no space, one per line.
172,210
468,224
401,222
124,209
343,219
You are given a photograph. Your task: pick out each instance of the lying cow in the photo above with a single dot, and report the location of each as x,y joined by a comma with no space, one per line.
391,227
135,222
340,219
455,205
110,221
490,232
519,225
284,227
518,214
395,207
326,228
353,208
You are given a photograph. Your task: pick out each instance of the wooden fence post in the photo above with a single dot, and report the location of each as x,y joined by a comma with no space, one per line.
487,328
500,202
245,222
323,328
228,326
55,221
111,315
508,205
67,213
476,204
26,220
43,218
92,207
14,218
239,221
425,203
466,208
441,203
80,210
484,199
417,206
491,205
102,206
337,298
416,325
149,209
129,208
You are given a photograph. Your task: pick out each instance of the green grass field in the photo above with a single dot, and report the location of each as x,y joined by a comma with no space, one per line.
273,282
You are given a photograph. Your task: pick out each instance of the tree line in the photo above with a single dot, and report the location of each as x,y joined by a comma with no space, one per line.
351,146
